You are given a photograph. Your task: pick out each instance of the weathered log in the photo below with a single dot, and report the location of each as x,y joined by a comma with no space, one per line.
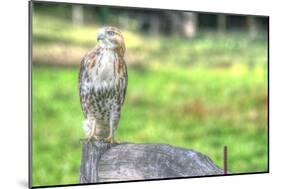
103,162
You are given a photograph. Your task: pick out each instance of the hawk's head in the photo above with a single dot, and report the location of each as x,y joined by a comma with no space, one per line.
111,38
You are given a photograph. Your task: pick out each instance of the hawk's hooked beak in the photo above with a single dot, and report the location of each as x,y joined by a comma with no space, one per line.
100,36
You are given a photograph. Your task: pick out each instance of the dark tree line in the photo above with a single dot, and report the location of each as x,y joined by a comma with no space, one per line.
156,21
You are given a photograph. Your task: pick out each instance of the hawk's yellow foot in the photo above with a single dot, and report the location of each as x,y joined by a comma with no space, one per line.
95,137
93,134
110,139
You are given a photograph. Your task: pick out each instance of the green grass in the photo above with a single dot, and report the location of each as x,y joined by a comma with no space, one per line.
175,106
200,94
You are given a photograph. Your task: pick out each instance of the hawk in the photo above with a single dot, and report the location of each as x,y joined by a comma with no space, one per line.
103,82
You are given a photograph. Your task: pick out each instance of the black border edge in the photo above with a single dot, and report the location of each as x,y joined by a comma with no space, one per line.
29,94
30,3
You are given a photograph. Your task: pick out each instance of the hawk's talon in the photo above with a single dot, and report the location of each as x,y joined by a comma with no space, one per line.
110,140
93,137
117,142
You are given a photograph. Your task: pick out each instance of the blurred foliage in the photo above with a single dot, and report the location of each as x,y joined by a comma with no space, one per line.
96,14
200,93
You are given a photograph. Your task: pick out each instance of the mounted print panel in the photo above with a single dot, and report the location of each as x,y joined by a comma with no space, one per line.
124,94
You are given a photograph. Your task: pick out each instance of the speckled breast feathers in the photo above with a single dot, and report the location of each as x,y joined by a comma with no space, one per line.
103,82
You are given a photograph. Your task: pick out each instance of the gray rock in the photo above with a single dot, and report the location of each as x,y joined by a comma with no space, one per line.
104,162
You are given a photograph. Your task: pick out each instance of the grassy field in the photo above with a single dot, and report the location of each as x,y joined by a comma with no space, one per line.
212,93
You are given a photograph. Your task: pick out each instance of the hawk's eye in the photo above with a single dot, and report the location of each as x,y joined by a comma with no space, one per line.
110,32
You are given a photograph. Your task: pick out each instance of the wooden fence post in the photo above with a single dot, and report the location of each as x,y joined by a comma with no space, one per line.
104,162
